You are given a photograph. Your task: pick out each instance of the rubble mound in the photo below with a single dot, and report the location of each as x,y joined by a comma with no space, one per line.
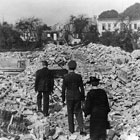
119,74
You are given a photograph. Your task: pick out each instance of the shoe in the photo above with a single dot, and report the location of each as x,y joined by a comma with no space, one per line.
70,133
45,115
83,133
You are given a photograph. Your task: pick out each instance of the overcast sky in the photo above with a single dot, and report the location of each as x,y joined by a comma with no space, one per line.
57,11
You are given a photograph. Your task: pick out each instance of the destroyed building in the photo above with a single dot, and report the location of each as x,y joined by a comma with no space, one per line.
120,77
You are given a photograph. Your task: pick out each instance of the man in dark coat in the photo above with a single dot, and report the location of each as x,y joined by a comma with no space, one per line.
73,89
44,83
97,106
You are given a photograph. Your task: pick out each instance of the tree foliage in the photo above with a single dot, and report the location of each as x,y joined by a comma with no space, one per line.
28,28
125,39
92,35
133,12
80,23
77,25
31,30
109,14
9,38
40,30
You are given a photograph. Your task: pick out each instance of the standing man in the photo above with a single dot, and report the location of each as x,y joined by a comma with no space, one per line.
74,90
44,83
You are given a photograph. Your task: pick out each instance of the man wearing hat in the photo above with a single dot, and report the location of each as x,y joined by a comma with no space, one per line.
73,89
97,107
44,83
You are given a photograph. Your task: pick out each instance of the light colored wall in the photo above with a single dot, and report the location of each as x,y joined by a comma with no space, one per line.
106,22
135,22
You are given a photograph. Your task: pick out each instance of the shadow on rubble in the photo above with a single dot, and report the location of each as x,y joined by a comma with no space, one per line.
12,123
55,107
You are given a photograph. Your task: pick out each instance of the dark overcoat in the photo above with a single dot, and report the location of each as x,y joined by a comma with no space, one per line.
72,87
44,80
97,106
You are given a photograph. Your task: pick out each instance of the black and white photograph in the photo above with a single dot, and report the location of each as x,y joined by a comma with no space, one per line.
69,70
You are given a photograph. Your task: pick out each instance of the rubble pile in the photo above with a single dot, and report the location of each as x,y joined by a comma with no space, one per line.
17,94
119,74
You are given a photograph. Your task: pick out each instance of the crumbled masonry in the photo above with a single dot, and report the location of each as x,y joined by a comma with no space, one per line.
118,70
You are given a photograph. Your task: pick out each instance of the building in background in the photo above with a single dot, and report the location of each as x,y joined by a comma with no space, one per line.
112,24
108,24
111,20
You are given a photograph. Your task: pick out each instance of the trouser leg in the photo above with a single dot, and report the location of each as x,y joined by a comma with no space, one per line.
104,138
39,101
45,103
70,116
97,138
94,137
79,118
78,114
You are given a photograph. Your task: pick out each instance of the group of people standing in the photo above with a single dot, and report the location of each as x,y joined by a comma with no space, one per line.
73,95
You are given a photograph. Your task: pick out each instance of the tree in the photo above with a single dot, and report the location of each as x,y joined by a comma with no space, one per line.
133,12
109,14
92,35
106,38
28,28
72,19
129,38
80,23
40,31
125,39
75,26
9,38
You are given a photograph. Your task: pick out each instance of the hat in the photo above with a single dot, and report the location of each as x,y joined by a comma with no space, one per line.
93,79
72,65
45,62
